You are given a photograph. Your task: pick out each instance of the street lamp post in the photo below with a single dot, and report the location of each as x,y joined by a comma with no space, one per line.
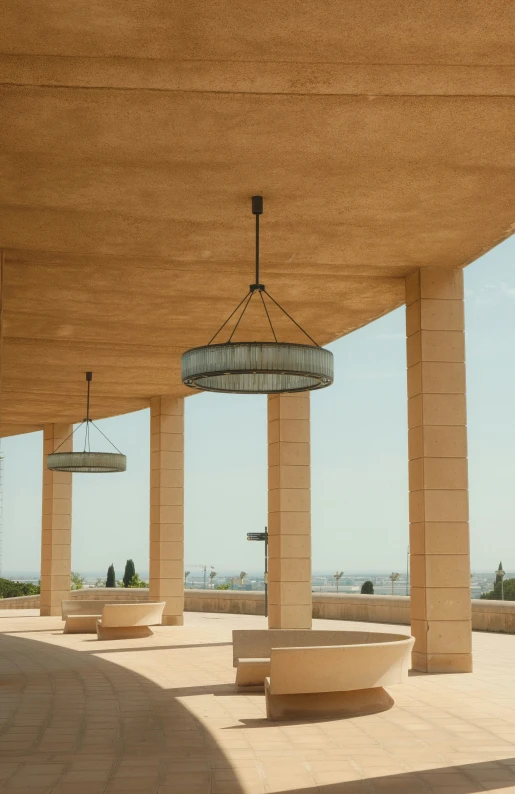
500,573
393,578
263,536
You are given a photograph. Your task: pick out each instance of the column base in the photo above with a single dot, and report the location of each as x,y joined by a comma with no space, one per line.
442,662
45,612
172,620
290,617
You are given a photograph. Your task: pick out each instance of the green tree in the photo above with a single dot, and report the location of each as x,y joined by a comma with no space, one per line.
111,577
498,577
137,582
222,587
509,591
130,571
77,581
10,589
367,588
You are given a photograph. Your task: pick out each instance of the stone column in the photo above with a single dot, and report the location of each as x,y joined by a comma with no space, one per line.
56,524
167,506
289,512
437,440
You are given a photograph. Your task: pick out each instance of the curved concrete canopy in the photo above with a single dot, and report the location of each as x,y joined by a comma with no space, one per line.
134,134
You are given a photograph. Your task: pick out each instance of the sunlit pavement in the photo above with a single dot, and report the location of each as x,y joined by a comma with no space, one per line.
80,716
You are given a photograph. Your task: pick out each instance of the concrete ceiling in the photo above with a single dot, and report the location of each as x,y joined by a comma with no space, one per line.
134,133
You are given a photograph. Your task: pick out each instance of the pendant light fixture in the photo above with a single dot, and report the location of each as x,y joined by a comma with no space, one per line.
257,367
87,461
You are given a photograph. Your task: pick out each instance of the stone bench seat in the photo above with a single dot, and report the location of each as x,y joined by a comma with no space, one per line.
252,648
128,621
80,624
81,615
251,673
343,681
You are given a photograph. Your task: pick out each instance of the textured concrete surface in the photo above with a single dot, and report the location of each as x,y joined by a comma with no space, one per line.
161,715
133,135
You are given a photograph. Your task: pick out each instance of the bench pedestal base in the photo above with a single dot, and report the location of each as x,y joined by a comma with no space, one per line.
312,705
251,674
122,632
80,624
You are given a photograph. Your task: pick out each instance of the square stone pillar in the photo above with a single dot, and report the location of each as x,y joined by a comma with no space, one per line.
167,506
289,512
437,440
56,532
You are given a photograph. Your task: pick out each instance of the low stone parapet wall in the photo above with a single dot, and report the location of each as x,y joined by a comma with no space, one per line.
496,616
122,594
238,602
20,602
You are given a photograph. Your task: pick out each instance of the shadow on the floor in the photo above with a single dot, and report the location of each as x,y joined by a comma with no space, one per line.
117,717
126,649
463,779
34,631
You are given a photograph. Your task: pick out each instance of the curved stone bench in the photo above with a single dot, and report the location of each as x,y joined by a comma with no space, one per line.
344,680
81,616
129,621
252,648
309,672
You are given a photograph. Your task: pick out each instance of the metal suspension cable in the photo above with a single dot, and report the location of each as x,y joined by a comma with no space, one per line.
231,315
291,318
69,436
269,320
251,295
106,438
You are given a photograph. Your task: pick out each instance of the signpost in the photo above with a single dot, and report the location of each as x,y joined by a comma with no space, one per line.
262,536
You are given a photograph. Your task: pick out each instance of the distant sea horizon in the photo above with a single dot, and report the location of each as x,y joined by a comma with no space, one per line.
198,574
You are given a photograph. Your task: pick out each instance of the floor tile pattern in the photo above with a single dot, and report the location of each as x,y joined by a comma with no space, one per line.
160,716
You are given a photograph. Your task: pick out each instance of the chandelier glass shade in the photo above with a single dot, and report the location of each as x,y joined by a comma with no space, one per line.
271,367
87,462
257,367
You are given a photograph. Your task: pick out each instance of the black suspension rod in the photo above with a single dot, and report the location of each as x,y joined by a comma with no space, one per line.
89,378
257,210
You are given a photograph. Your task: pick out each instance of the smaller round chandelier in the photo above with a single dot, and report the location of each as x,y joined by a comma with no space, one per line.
87,462
257,367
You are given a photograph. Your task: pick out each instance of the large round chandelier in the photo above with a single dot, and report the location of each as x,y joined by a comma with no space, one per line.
257,367
87,462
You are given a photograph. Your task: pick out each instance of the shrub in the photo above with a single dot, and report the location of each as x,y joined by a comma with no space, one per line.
137,582
10,589
77,581
367,588
496,593
222,587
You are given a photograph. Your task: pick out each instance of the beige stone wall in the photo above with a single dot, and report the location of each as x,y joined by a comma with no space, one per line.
438,482
495,616
56,524
289,512
20,602
167,506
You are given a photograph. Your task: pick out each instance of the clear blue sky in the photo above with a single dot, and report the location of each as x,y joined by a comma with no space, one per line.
359,459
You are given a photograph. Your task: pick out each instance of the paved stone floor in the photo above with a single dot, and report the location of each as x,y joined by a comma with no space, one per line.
160,715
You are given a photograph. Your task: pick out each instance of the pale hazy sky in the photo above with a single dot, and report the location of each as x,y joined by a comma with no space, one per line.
359,459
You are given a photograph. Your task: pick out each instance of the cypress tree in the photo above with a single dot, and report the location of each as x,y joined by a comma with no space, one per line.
130,571
111,578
